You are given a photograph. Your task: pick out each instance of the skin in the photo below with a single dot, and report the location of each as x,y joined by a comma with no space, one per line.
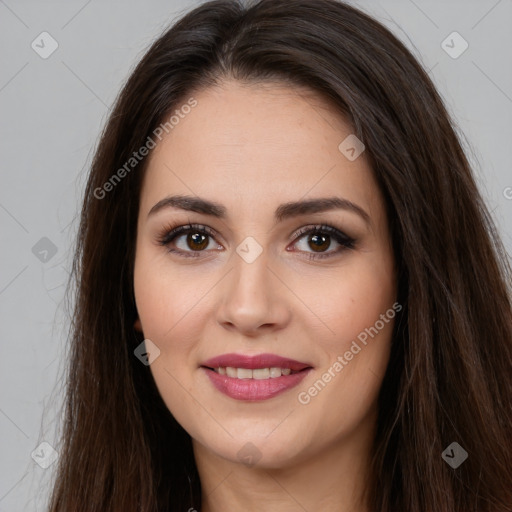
252,147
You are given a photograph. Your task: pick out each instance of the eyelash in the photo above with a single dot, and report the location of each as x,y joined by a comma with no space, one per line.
170,233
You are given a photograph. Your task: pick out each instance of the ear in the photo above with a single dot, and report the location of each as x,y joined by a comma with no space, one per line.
137,325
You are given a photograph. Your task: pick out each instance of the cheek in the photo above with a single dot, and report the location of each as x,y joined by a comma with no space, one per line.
167,317
167,299
346,302
169,309
357,313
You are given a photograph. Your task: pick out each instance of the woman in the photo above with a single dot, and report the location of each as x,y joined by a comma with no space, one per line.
291,296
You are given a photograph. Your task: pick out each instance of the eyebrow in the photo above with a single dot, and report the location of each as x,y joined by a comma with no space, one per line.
283,212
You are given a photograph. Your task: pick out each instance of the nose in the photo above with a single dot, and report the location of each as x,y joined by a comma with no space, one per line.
254,298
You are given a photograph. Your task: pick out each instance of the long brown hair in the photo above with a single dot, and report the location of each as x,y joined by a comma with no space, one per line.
449,378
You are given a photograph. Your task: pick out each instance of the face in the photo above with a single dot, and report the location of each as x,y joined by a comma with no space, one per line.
273,313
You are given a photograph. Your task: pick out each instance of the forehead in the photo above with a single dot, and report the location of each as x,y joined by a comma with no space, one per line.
256,144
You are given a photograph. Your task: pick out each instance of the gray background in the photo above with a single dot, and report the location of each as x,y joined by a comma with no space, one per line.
52,111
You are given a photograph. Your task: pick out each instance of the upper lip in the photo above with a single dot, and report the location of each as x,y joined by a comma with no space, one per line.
254,361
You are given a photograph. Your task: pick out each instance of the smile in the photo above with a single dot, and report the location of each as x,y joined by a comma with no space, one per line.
257,373
254,378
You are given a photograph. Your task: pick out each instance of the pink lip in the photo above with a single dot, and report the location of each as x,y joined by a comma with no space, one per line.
256,361
254,389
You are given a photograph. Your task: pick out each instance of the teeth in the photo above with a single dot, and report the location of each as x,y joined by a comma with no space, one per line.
257,373
261,373
275,372
231,372
244,373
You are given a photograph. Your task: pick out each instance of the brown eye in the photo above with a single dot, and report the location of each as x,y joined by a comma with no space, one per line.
197,241
318,239
189,240
319,242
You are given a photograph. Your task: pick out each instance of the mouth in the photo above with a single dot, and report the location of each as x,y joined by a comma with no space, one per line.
255,373
254,378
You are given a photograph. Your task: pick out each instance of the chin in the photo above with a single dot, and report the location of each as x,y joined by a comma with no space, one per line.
256,448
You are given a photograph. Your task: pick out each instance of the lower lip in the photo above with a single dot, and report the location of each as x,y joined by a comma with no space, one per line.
254,389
